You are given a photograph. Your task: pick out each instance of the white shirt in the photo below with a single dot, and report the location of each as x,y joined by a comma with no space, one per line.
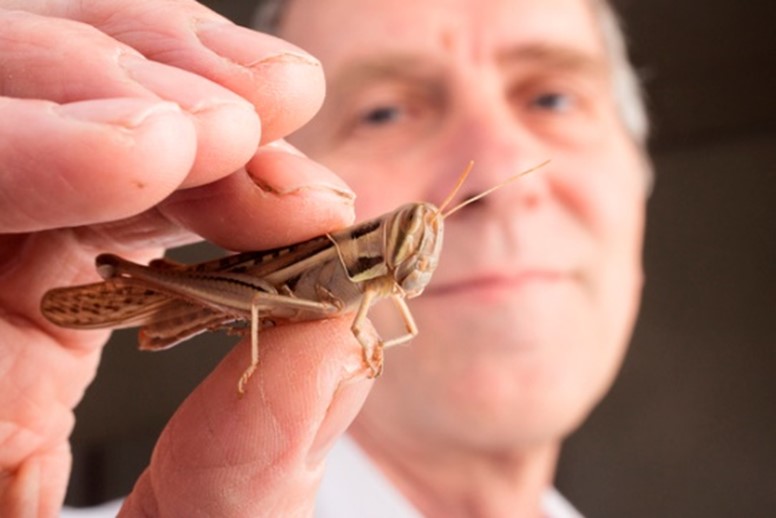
353,487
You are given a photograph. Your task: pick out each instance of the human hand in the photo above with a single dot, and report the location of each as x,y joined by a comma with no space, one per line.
121,128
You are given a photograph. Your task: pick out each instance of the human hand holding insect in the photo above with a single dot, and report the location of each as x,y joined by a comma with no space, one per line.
95,167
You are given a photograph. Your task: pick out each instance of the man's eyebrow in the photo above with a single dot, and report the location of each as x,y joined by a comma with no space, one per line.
409,66
375,68
554,56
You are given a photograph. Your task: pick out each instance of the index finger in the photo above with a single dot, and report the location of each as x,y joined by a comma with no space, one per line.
282,81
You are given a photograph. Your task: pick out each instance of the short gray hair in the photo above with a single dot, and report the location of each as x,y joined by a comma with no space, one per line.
629,96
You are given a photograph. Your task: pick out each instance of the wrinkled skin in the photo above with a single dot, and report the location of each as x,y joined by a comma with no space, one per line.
132,126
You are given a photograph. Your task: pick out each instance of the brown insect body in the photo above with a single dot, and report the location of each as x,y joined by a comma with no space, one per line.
391,256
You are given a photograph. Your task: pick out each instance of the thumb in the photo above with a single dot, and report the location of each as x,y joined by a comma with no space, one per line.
262,454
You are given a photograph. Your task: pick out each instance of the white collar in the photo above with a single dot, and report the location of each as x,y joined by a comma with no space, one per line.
353,487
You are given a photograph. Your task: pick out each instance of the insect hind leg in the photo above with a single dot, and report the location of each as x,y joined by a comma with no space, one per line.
264,300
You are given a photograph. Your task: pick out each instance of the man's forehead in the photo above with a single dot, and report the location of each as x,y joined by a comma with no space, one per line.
382,36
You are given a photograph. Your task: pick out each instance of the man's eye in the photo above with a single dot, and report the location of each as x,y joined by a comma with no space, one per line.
553,101
381,115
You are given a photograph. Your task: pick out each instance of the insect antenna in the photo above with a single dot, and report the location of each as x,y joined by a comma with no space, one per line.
456,188
483,193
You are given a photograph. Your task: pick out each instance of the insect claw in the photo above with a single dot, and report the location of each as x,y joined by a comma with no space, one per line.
374,360
244,379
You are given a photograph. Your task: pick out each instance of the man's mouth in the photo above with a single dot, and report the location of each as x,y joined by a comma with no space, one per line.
491,284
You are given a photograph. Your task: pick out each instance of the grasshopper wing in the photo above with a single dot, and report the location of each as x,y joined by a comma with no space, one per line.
109,304
117,304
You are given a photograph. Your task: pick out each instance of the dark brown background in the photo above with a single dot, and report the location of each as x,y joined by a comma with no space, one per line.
689,428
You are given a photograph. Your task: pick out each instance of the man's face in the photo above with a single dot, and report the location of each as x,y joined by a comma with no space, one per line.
528,315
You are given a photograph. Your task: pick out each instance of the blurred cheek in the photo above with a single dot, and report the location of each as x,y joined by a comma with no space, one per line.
615,209
370,204
604,189
379,188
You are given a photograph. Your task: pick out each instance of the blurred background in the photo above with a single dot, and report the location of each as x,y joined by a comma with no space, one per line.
689,428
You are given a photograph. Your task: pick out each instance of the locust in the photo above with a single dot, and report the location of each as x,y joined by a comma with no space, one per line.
392,256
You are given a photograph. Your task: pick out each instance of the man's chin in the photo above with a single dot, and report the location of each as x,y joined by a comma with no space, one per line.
527,390
518,424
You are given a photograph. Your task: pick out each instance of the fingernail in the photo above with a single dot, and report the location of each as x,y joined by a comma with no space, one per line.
193,93
249,48
127,113
281,145
297,173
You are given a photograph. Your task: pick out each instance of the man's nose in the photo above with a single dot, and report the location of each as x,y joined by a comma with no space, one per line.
501,146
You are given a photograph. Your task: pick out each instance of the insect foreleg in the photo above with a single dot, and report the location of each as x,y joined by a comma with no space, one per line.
409,322
372,348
